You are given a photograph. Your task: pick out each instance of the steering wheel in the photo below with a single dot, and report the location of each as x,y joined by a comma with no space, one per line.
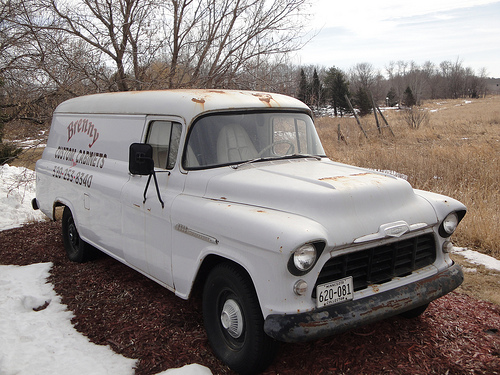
290,150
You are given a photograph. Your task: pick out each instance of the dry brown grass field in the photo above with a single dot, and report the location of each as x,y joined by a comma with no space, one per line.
455,152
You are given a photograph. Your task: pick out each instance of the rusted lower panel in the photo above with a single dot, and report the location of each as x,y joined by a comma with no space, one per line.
340,318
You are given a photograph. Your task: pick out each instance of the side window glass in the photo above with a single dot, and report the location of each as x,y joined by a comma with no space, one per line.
164,137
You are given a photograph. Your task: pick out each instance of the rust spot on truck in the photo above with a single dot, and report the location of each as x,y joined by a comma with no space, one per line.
199,101
337,178
320,323
372,178
265,98
390,306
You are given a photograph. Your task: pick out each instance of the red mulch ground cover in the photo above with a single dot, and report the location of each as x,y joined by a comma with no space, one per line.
116,306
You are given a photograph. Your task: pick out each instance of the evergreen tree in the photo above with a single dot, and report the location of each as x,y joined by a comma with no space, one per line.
316,90
391,97
408,98
362,102
337,88
303,87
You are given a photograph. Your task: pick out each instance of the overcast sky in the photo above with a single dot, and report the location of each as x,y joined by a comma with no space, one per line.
378,32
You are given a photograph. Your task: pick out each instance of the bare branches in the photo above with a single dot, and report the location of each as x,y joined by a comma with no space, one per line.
146,43
414,117
215,40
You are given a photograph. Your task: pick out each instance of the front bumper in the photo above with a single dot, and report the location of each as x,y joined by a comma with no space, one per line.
335,319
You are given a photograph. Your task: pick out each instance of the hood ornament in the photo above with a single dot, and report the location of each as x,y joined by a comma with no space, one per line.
396,230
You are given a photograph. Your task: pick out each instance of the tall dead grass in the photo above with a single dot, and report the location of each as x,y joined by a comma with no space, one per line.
456,153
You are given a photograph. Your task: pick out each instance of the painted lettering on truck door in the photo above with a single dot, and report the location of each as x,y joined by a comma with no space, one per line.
147,225
88,166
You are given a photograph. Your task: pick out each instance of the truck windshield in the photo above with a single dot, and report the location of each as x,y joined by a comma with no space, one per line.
235,138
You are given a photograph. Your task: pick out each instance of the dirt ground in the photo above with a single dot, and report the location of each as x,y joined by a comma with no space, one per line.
116,306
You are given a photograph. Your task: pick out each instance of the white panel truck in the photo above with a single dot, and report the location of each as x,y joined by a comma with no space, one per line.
231,192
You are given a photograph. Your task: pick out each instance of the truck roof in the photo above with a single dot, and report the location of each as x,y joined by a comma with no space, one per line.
185,103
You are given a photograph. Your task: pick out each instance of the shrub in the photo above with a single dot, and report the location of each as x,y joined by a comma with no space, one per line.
415,117
8,151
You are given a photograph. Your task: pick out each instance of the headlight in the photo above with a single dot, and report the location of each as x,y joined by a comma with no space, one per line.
449,225
304,257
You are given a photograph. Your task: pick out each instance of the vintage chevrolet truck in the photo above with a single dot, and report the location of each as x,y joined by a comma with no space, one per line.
231,193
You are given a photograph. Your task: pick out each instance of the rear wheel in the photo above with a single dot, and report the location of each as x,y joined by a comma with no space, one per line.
234,322
76,249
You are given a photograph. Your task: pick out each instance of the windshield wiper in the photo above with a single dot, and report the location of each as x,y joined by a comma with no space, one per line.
268,158
298,156
236,166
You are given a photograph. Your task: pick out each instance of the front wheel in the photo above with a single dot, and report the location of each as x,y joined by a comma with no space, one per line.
234,322
76,249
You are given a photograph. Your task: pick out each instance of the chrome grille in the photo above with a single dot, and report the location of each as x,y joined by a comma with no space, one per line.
380,264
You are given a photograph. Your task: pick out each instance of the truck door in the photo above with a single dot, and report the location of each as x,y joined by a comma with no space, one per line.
146,226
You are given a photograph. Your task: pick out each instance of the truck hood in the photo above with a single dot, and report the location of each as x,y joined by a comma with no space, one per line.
349,202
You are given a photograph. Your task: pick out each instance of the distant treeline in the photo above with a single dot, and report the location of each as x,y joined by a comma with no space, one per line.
401,84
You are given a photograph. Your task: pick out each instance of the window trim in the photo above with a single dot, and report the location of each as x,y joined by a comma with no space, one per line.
174,123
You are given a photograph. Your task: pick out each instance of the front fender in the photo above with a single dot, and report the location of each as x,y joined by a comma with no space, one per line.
442,204
258,239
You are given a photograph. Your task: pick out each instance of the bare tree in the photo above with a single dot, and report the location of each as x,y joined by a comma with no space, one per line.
397,72
364,76
22,97
136,44
117,34
409,74
213,41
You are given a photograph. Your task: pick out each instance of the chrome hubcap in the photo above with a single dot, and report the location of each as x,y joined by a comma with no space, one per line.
232,319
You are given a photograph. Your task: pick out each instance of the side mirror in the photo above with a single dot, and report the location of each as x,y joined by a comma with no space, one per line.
140,159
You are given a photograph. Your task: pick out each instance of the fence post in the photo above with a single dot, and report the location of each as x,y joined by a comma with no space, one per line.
383,118
356,116
375,113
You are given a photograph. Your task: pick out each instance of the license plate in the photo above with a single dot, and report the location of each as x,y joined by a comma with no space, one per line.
334,292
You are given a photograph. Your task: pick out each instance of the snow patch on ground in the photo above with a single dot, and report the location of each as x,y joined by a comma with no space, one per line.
17,189
475,257
37,334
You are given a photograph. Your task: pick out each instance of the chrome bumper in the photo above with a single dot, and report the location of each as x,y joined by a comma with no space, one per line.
339,318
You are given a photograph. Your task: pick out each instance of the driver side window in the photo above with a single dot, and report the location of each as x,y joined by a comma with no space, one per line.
164,137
